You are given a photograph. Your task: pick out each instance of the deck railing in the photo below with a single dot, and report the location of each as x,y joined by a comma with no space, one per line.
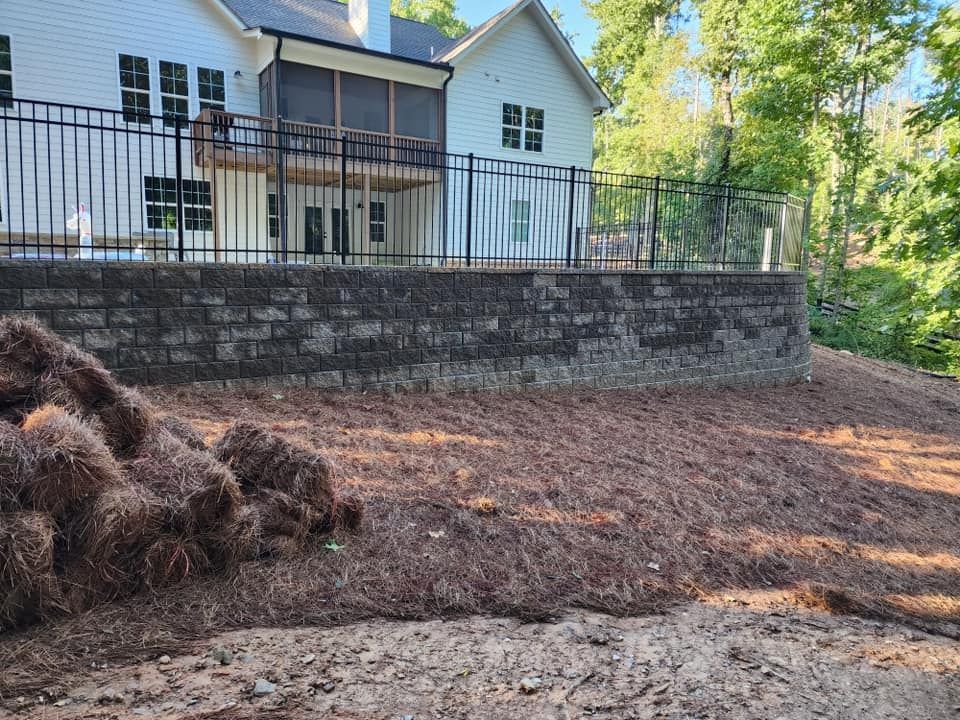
228,187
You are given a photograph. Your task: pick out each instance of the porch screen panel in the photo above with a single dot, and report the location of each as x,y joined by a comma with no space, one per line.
364,102
266,92
418,111
306,93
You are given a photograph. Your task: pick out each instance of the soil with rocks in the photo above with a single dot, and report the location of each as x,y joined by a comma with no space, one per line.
736,659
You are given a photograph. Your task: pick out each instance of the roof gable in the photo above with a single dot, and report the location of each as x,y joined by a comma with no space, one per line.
462,47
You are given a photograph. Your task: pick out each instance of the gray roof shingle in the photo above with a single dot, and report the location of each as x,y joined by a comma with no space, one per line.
328,20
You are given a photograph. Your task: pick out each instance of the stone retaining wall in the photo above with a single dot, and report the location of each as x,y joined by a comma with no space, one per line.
420,329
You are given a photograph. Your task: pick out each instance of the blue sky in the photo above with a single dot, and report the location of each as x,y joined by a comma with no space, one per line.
575,18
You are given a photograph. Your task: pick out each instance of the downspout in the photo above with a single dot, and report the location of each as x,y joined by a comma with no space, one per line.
281,182
443,155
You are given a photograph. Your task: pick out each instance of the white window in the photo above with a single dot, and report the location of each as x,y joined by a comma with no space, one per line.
512,131
522,127
211,89
160,196
533,130
6,70
520,220
378,221
135,88
174,92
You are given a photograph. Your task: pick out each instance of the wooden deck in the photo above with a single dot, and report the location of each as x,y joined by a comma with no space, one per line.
311,154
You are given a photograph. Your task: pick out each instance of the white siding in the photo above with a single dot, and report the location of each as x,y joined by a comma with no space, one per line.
519,64
66,51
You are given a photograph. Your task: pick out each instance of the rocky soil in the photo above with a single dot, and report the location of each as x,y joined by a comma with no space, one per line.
741,658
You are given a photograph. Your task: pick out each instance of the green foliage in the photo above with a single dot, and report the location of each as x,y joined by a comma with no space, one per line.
918,222
652,131
442,14
887,325
808,97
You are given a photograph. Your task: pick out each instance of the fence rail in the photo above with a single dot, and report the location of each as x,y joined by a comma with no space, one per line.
79,182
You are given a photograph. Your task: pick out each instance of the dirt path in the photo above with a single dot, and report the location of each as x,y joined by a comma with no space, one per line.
730,660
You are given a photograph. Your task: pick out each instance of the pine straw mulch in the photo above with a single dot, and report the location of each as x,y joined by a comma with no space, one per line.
844,491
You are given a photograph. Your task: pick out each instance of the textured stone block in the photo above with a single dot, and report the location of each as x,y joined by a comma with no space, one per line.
23,276
85,277
45,299
79,319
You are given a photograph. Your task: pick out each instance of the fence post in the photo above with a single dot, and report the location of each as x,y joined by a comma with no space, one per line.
653,223
783,231
179,172
344,222
469,207
570,201
724,218
281,191
805,232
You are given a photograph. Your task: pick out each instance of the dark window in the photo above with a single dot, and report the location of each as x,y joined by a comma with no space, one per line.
135,88
512,128
341,231
174,92
418,111
160,199
313,230
306,94
6,71
364,103
211,89
273,217
378,221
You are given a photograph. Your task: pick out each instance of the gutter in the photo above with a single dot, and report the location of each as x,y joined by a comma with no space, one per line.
280,34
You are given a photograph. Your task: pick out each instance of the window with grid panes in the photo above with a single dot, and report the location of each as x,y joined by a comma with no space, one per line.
135,88
174,92
6,71
378,221
211,89
533,130
160,199
512,130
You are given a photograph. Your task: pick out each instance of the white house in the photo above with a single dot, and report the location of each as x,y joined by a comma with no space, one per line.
162,118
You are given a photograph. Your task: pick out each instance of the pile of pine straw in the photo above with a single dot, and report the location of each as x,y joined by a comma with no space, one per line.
101,496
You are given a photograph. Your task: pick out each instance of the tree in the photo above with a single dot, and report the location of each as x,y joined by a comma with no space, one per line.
442,14
720,60
625,28
920,227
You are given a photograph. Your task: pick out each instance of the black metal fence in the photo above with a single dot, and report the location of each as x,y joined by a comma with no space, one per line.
89,183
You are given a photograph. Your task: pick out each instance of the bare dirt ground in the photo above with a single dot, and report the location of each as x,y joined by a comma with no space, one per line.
840,495
695,661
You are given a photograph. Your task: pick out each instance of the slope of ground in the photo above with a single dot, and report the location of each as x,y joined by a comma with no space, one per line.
844,493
